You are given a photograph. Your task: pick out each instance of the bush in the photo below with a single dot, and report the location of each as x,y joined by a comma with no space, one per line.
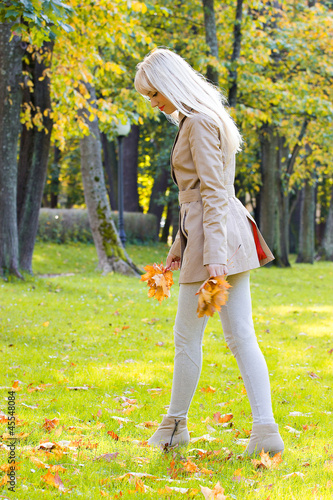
72,224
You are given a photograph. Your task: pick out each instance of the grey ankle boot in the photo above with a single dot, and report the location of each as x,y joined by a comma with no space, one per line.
266,437
171,431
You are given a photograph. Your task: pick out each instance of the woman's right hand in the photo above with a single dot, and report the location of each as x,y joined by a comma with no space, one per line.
172,262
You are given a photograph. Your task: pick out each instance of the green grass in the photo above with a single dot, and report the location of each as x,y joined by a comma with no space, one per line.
68,331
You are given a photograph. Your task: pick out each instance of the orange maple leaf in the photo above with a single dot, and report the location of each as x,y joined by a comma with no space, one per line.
190,466
50,424
213,294
53,480
113,435
217,493
266,462
159,279
221,419
208,389
5,480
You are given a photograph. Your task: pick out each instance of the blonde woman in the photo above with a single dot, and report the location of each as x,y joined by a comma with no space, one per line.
213,226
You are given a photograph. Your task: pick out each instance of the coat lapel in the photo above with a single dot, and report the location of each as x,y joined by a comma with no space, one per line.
182,119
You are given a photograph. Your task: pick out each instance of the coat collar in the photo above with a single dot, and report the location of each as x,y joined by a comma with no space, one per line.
181,116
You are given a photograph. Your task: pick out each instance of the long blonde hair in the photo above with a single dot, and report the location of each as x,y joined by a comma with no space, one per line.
168,73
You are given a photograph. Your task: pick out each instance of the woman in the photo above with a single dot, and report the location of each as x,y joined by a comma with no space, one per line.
214,226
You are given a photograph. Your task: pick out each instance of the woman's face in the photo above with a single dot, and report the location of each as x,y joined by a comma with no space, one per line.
157,99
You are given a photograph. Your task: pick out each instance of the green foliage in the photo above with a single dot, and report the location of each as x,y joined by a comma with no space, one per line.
65,225
67,331
38,20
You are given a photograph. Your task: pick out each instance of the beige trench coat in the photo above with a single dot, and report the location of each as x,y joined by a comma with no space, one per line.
214,226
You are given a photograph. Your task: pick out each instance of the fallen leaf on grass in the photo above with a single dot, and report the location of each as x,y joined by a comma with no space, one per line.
150,424
313,375
108,456
113,435
306,427
120,420
329,465
190,466
20,435
54,480
330,351
292,430
159,279
217,493
221,419
5,480
294,474
208,389
206,437
213,294
203,470
16,386
266,462
51,468
38,388
50,424
299,414
134,474
140,487
9,467
82,388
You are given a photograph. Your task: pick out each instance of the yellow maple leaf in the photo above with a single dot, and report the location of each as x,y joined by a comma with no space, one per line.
159,279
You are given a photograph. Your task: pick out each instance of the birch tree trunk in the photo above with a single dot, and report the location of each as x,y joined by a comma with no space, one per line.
11,53
111,254
34,153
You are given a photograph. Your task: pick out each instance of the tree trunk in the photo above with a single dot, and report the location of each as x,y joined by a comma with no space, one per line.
130,149
268,192
55,181
11,53
327,245
167,224
282,234
111,169
34,153
160,186
235,54
294,221
306,245
211,38
111,254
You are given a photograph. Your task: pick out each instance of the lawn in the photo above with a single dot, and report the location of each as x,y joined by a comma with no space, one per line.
90,359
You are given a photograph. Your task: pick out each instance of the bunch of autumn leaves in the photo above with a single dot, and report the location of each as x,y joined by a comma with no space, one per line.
213,293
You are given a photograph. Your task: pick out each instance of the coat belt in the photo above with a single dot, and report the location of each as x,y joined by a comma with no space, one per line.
190,195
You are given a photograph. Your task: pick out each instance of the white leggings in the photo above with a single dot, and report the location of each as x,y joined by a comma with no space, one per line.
237,324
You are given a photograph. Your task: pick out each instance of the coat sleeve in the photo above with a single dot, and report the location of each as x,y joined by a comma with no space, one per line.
175,248
204,137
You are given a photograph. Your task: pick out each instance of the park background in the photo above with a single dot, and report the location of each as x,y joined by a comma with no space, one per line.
66,85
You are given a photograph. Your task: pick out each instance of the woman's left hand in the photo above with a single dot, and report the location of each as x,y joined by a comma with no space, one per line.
217,269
